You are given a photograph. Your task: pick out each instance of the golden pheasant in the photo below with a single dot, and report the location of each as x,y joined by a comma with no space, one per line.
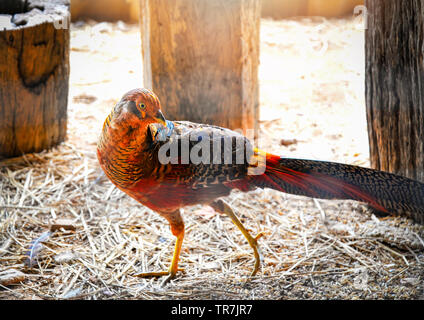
166,165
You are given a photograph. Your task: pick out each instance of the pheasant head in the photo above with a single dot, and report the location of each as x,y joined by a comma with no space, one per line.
125,133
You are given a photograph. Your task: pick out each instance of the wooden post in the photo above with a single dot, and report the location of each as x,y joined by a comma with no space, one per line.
395,86
34,73
201,58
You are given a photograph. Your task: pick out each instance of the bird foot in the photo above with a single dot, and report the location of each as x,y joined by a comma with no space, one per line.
258,236
170,275
222,207
253,241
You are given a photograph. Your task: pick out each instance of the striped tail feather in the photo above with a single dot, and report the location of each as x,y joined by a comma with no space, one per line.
384,191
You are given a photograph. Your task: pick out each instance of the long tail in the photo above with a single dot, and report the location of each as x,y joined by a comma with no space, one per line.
328,180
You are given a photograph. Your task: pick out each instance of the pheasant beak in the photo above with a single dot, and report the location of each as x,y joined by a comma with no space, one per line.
160,118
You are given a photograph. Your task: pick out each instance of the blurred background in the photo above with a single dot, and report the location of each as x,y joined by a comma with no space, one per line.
311,79
128,10
311,73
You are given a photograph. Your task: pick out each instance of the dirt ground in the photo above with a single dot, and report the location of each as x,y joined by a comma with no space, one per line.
312,106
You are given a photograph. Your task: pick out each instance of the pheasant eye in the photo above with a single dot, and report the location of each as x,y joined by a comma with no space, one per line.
142,106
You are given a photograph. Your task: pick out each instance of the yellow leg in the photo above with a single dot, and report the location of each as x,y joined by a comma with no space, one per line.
177,228
222,207
175,258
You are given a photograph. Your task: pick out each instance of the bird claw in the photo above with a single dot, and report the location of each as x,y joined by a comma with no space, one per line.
170,275
151,274
258,236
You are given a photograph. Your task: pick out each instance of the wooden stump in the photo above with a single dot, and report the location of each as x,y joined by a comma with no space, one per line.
34,73
395,86
201,58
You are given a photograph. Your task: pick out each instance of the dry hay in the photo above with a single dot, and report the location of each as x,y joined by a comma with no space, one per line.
312,249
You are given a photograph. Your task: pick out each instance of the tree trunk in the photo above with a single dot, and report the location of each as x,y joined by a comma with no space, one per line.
395,86
201,59
34,73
